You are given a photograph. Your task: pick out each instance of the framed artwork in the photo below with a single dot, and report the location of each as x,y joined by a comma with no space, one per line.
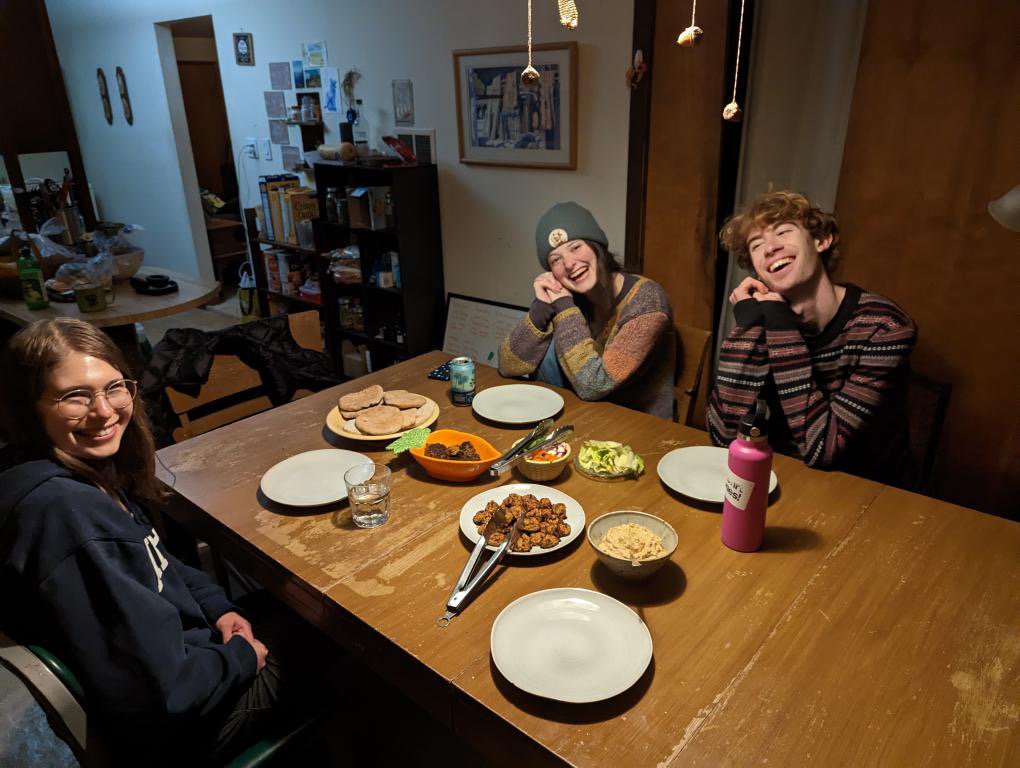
244,49
501,121
125,99
104,95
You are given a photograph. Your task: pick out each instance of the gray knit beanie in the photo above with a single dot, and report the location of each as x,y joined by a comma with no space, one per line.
561,224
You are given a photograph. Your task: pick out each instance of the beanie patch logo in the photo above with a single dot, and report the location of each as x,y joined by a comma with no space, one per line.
557,238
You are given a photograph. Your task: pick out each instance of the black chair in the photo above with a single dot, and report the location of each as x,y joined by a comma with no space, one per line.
927,403
62,698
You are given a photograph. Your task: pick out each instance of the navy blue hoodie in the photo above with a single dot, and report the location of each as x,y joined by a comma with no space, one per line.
94,584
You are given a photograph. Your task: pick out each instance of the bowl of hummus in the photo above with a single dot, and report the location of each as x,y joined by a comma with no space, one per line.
631,544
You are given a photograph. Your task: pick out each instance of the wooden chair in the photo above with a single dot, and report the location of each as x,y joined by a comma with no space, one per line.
691,356
234,391
927,403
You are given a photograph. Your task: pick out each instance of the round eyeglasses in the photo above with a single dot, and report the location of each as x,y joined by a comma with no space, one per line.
77,403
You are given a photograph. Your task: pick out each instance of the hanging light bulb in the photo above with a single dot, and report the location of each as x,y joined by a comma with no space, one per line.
530,75
568,13
692,35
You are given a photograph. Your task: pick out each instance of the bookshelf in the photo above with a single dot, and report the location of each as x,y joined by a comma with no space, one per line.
418,304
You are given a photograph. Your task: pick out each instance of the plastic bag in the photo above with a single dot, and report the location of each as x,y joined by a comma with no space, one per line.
99,270
113,238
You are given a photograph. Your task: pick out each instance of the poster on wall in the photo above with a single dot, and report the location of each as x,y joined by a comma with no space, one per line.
312,78
314,54
276,105
298,67
291,158
330,90
278,132
279,76
403,103
244,49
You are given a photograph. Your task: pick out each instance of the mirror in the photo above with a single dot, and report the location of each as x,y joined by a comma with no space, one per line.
44,165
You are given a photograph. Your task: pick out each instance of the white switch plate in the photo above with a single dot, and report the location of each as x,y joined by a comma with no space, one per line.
267,149
251,147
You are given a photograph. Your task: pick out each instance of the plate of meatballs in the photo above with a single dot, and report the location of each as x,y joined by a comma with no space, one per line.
550,519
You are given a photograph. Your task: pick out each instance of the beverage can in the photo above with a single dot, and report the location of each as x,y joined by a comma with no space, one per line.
462,380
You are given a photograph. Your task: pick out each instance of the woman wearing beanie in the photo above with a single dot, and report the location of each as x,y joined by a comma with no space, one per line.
605,333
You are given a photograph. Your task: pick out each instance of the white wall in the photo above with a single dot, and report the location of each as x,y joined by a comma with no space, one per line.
488,213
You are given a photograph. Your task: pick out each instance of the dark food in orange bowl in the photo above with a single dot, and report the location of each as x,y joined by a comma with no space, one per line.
455,470
465,451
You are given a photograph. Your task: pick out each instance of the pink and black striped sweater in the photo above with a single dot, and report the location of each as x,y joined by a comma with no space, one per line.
837,398
631,361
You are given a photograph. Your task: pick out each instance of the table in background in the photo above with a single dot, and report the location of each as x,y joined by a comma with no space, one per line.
876,626
130,307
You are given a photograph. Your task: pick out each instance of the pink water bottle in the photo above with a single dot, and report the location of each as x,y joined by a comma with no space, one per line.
747,482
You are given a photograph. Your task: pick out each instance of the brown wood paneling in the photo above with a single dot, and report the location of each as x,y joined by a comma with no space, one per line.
931,140
207,121
688,93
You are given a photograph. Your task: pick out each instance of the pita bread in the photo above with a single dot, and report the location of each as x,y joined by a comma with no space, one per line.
350,426
424,413
350,415
379,420
366,398
408,418
403,399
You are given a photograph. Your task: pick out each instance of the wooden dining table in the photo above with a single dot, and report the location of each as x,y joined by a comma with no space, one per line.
874,627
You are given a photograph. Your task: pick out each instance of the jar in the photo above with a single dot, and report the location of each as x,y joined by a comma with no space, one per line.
331,205
390,218
341,211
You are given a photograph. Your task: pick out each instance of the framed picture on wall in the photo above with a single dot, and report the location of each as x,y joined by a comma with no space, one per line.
501,121
244,49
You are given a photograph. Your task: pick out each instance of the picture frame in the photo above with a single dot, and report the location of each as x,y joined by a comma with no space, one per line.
403,103
244,49
500,121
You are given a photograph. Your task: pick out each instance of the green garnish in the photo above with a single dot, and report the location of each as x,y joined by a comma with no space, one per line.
415,438
608,457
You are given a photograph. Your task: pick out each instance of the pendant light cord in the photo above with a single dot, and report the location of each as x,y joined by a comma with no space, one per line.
740,36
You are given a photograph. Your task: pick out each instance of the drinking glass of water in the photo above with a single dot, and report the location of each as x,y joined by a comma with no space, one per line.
368,490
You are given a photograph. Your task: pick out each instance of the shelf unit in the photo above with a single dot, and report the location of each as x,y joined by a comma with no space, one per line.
417,239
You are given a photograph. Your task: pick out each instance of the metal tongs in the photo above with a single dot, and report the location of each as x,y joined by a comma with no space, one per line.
465,583
540,437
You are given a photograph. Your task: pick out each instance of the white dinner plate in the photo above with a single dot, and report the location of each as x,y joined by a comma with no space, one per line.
699,471
570,645
311,478
575,513
517,403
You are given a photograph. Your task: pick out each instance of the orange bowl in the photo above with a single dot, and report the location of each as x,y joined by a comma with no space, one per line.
456,471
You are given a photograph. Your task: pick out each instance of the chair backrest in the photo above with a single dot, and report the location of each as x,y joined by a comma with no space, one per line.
927,403
234,391
691,357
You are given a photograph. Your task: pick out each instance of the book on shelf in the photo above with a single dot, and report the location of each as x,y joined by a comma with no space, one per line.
273,210
299,204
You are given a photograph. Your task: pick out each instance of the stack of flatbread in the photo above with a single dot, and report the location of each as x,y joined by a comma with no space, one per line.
374,411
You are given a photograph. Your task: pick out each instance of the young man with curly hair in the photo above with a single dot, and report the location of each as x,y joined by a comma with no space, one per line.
832,360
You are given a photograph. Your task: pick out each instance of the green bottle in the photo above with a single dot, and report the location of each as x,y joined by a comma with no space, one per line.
30,274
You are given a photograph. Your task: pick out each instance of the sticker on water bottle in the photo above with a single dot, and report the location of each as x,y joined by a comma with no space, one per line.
738,490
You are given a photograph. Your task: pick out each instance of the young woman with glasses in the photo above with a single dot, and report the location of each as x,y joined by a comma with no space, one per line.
160,650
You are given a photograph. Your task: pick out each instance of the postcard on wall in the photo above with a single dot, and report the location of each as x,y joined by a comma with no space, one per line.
279,76
278,133
299,73
290,157
314,54
313,78
330,90
276,105
403,103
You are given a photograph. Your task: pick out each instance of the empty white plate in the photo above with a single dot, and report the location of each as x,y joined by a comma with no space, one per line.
311,478
699,471
517,403
571,645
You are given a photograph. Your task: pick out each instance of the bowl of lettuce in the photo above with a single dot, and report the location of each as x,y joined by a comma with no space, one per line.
608,460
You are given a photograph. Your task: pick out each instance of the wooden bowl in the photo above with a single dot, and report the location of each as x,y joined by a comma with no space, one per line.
544,471
456,471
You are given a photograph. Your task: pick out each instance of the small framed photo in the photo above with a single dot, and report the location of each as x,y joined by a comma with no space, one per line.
244,49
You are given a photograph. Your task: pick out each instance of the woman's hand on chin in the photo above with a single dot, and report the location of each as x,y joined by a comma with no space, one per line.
548,288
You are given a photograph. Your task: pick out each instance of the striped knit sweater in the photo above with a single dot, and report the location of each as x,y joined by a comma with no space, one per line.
837,399
631,362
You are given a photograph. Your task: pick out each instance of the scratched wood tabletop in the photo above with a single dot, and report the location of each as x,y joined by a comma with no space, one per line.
874,627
